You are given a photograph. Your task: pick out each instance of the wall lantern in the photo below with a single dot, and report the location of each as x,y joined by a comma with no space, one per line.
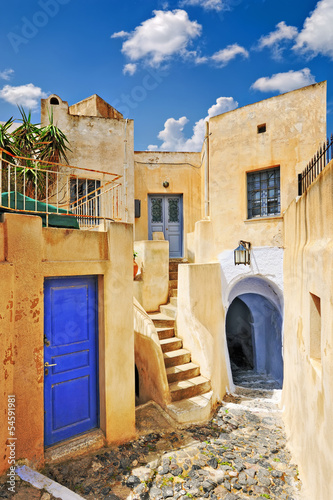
165,184
242,253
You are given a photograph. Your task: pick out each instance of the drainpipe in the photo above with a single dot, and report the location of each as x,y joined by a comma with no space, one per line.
125,171
207,170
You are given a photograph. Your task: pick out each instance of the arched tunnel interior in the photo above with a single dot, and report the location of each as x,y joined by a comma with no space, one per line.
254,338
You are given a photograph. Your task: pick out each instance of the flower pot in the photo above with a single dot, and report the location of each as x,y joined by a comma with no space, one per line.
135,268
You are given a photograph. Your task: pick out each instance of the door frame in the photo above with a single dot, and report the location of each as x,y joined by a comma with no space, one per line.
181,222
98,323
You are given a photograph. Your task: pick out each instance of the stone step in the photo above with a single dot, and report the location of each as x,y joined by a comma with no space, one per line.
171,344
173,301
184,389
193,410
173,284
174,263
169,310
182,372
178,357
161,320
173,275
165,333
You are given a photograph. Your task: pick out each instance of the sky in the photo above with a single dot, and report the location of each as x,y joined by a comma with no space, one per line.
169,65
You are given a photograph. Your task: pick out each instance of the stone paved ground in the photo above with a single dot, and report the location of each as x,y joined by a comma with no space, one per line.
240,454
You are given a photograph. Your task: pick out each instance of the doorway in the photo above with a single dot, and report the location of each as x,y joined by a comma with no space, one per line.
165,215
70,357
254,338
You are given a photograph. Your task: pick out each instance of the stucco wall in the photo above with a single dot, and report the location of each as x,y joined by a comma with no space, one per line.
152,287
308,380
182,171
200,323
149,360
28,254
295,127
97,143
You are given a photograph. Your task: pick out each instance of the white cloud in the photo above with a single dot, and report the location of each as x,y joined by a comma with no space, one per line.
24,95
274,40
129,69
6,74
157,39
284,82
120,34
316,36
173,136
230,52
206,4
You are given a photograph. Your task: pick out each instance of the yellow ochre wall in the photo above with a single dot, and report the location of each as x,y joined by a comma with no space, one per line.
295,128
308,381
182,171
28,254
97,142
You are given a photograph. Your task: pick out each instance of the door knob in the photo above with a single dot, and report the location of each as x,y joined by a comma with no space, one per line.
48,366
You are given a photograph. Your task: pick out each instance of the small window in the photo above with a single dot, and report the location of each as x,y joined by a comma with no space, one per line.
84,197
54,101
263,193
261,128
315,327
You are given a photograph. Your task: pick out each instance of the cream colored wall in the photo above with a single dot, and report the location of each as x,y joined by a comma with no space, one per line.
149,360
182,171
296,126
28,254
151,287
95,106
200,323
308,382
97,144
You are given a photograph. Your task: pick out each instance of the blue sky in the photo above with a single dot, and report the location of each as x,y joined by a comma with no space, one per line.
166,64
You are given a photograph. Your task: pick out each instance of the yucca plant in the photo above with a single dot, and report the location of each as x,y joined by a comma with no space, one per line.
25,138
47,143
53,143
6,140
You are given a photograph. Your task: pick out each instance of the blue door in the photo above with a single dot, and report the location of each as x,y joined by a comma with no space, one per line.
70,350
165,214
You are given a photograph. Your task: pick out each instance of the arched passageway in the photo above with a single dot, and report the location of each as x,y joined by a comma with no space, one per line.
254,338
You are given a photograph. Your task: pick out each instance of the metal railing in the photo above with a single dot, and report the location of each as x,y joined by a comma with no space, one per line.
323,156
30,185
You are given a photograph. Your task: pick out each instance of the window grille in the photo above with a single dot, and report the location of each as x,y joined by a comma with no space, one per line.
263,193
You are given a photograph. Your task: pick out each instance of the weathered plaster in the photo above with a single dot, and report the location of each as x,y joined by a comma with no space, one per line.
308,382
182,171
152,287
149,360
201,323
28,259
296,127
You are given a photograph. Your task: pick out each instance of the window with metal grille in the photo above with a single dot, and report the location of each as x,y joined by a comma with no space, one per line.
263,193
84,196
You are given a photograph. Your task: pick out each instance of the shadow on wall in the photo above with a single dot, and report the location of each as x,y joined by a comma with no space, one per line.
254,336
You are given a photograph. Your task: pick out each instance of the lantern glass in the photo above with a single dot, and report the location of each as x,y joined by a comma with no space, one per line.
242,253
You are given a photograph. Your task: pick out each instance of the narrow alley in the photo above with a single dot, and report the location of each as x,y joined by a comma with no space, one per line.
240,453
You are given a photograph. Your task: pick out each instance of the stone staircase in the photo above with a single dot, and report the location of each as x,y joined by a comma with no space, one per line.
190,392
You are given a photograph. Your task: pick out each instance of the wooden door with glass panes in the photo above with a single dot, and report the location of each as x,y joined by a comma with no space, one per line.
165,214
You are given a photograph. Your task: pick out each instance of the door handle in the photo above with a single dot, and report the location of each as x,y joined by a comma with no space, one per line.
48,366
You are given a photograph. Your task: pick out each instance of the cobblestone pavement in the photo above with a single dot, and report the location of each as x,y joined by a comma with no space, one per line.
239,454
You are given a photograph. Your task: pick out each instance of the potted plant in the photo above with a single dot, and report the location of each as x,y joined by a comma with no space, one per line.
135,265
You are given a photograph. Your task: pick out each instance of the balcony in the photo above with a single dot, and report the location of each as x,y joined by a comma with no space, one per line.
62,195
